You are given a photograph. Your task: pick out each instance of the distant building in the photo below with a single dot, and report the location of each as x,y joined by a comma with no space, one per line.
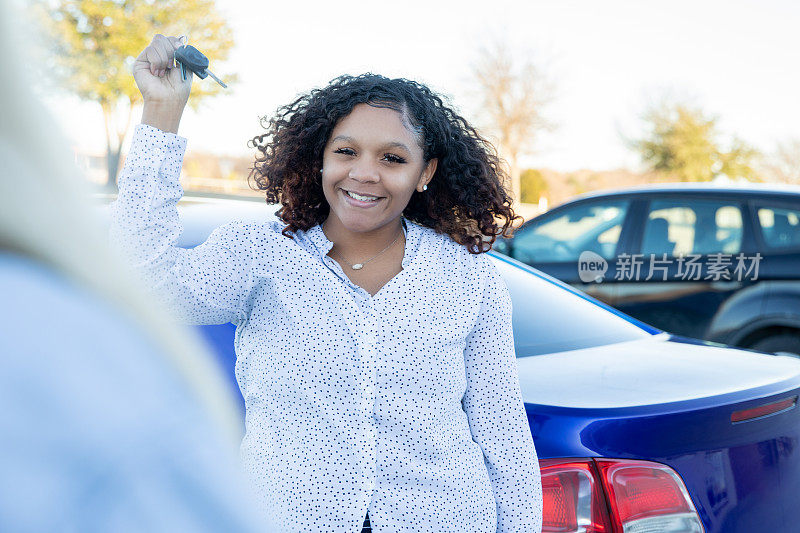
201,172
92,166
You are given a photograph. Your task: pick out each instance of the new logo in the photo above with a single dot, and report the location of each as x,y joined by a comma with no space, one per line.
591,267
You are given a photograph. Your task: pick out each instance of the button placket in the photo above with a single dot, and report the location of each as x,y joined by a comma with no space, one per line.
368,349
363,326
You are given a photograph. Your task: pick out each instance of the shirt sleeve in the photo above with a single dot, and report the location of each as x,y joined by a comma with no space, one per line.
208,284
496,413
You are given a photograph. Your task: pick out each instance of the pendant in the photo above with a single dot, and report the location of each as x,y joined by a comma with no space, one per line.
357,266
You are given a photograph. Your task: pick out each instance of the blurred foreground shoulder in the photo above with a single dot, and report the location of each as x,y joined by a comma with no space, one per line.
93,416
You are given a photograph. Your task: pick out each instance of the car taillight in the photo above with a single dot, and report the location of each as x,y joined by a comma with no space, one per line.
645,497
615,496
573,500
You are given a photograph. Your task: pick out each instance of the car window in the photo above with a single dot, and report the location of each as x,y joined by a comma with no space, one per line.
568,232
681,227
780,227
551,317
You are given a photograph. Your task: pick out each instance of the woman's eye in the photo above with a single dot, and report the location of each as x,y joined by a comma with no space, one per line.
393,158
345,151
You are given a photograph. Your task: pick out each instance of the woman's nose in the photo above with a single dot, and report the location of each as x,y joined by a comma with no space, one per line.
364,171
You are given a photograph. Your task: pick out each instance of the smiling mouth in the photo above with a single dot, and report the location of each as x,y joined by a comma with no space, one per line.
361,197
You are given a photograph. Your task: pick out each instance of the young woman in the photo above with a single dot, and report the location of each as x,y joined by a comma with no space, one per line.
374,343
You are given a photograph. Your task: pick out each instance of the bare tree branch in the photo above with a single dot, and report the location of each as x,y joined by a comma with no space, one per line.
784,164
513,95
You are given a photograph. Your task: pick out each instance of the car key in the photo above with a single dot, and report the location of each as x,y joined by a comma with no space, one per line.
189,57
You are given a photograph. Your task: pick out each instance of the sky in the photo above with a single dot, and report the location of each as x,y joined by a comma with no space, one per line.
737,60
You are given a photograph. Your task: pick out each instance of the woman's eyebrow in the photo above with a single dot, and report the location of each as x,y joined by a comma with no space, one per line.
392,144
397,144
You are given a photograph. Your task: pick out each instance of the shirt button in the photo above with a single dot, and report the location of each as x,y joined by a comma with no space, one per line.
369,338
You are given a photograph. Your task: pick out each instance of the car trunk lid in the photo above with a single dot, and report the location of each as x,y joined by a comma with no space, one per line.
681,405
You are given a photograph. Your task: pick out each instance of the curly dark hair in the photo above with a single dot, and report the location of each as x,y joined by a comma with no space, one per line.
466,199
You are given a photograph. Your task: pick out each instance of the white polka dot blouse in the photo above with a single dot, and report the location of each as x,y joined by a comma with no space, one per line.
405,404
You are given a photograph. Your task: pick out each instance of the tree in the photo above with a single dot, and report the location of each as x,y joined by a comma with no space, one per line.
740,161
93,43
532,185
682,141
513,97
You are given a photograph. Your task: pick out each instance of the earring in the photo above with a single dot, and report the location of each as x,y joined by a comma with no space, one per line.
320,171
424,187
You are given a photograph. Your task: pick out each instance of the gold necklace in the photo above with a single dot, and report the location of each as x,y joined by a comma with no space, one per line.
359,266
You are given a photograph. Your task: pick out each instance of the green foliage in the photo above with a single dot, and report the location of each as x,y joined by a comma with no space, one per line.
682,142
93,43
740,160
532,185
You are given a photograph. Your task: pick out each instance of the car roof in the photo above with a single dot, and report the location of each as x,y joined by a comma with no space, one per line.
747,188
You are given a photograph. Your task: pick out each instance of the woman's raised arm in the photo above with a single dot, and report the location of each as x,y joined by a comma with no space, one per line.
164,91
209,284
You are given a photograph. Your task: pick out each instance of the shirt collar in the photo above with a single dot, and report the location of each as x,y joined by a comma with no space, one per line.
413,240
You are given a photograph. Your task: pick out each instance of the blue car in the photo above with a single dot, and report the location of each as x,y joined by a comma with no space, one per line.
637,430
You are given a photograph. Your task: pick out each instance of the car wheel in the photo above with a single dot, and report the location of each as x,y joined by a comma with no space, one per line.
785,343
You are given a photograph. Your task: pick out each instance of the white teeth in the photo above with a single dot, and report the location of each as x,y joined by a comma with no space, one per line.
361,197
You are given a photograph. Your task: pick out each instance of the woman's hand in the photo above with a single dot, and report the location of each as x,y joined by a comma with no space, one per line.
163,89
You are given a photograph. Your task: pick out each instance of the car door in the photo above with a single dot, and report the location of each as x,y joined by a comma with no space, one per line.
576,243
777,223
691,254
778,233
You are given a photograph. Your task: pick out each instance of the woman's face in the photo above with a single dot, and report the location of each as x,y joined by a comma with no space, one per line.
371,166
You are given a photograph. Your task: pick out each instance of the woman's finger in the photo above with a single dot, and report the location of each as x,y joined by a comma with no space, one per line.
152,57
164,51
176,41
